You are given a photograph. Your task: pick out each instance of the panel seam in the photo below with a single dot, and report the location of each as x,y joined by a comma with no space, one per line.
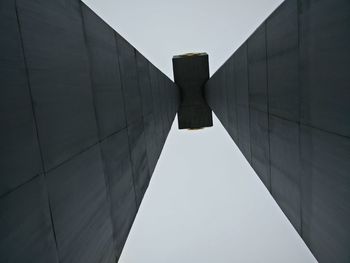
122,88
299,115
268,105
248,82
143,116
36,126
105,176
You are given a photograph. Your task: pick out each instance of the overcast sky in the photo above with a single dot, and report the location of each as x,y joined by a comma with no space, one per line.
204,203
160,29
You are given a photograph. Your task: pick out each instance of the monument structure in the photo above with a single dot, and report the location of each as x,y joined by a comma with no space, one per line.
84,117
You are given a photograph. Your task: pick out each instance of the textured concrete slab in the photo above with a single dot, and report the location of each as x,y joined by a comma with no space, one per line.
156,103
232,122
223,78
129,76
215,90
80,209
325,194
257,69
25,225
241,76
66,71
285,168
19,151
139,159
222,93
144,84
260,144
161,103
105,74
303,121
59,77
151,144
325,56
283,61
118,171
244,140
242,100
211,94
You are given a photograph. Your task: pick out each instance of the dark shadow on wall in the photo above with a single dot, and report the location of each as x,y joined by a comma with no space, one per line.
84,117
283,96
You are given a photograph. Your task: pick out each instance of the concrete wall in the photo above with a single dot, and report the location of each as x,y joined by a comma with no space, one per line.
84,117
284,97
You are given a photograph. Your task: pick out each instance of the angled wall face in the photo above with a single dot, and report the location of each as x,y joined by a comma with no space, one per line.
283,96
84,117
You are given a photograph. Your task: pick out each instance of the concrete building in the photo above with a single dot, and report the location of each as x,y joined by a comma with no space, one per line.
84,117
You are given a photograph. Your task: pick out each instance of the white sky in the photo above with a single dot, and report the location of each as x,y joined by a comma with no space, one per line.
204,202
160,29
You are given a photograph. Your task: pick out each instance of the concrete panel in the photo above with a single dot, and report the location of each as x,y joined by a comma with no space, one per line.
77,67
259,139
105,76
151,143
242,99
175,100
139,159
59,77
218,100
241,76
25,225
224,76
80,210
159,101
325,194
156,102
123,221
210,92
163,117
325,58
283,54
244,140
231,100
19,151
256,45
144,84
129,76
222,98
306,78
171,98
285,168
118,170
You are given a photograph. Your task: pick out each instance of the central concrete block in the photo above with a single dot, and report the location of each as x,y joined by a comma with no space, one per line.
191,72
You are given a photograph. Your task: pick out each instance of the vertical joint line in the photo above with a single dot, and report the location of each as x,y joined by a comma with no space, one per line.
268,105
126,120
142,114
35,122
299,10
226,86
236,104
90,70
248,82
88,54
